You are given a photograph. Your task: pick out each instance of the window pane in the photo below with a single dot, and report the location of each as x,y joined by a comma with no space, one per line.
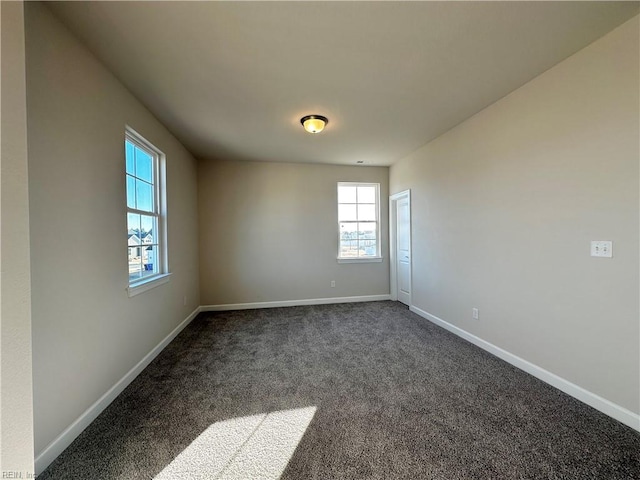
366,194
368,248
135,263
366,212
149,260
147,229
349,248
133,225
129,155
346,194
346,212
131,192
144,165
144,196
133,241
367,230
348,239
348,230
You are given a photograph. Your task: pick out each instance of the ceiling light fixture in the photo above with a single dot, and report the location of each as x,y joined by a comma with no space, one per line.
314,123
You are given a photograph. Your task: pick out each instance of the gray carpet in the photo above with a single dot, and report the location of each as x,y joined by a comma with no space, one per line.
396,398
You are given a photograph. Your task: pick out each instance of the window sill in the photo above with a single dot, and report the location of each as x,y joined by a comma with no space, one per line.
360,260
147,284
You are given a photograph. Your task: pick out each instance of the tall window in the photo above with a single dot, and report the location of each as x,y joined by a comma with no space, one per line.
358,218
145,210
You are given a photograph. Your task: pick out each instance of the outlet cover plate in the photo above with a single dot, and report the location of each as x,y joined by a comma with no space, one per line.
602,248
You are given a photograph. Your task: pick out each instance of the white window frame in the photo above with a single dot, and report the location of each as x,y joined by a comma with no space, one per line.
377,258
141,285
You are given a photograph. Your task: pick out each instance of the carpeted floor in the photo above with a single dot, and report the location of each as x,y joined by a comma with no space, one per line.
394,397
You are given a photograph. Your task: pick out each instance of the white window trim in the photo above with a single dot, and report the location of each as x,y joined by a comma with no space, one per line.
360,260
160,193
147,284
372,259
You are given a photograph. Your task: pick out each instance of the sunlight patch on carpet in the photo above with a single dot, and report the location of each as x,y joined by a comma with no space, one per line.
257,446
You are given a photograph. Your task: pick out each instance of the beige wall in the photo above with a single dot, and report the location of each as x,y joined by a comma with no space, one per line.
269,232
16,427
87,333
505,206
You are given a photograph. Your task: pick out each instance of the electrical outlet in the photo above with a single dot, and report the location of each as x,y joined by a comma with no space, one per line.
475,313
333,284
602,248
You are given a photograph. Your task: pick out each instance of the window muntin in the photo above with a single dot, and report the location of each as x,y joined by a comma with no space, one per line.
145,218
358,218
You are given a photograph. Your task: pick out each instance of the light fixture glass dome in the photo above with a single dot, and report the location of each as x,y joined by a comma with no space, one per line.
314,123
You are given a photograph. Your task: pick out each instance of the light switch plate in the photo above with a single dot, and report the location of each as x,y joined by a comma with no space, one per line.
601,248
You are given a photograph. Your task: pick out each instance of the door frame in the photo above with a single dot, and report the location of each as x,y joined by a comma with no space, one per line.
393,235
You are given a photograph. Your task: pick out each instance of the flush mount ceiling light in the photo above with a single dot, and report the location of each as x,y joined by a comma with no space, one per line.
314,123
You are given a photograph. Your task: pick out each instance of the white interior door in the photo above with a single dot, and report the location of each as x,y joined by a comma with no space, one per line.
403,249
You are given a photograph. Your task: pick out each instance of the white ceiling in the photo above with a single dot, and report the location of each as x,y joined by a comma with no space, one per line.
232,79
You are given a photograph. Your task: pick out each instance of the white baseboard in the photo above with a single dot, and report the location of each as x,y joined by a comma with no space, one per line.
602,404
293,303
62,441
